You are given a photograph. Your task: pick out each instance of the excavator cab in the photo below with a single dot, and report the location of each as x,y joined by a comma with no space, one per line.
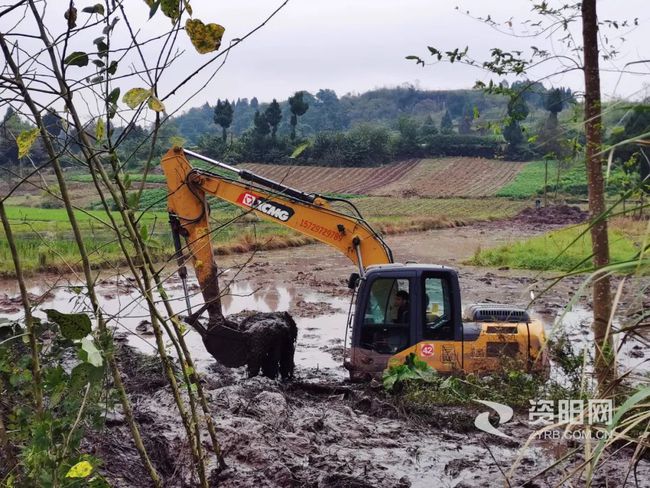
486,338
381,330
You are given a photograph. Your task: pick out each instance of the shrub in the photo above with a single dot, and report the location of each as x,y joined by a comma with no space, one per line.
464,145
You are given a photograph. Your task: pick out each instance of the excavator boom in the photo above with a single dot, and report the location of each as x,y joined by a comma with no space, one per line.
309,214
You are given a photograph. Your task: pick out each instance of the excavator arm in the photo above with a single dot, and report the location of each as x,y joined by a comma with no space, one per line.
309,214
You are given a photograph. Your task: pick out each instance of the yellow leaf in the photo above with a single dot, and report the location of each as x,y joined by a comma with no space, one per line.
175,141
100,129
80,470
135,96
205,38
299,150
155,104
25,141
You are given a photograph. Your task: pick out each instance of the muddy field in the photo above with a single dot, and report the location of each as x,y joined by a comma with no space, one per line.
319,430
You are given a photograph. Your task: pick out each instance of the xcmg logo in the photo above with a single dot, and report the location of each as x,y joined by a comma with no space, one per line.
268,207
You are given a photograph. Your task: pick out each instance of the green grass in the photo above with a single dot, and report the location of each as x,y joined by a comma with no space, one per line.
28,219
135,177
573,181
547,252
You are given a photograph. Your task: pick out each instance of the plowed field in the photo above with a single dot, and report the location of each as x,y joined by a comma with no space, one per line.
321,179
438,178
453,177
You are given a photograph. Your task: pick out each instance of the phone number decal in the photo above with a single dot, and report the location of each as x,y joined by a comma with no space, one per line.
319,229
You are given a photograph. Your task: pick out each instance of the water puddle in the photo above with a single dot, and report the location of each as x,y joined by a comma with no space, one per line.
320,333
632,354
321,319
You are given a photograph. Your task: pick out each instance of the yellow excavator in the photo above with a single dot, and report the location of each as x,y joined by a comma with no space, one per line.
397,309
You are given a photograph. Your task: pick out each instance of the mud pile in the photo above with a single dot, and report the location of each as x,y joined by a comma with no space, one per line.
263,342
555,214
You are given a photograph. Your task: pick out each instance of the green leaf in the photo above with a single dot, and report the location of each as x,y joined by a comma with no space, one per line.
75,289
154,243
389,381
98,8
100,129
155,104
188,7
299,150
113,96
99,63
82,469
133,200
112,68
84,374
94,357
74,326
77,58
170,9
25,141
153,6
136,96
205,38
144,233
102,48
127,181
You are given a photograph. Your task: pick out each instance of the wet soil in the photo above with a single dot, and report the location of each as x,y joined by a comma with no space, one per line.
319,430
313,433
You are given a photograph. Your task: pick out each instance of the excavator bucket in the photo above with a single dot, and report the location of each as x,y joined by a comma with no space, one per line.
264,342
227,345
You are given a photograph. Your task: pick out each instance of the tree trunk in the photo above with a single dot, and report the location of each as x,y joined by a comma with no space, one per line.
545,182
557,180
604,367
294,123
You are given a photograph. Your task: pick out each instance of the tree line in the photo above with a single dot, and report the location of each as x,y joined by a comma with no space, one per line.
410,123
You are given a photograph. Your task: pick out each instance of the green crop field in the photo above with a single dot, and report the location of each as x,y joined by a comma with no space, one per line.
46,241
529,182
567,249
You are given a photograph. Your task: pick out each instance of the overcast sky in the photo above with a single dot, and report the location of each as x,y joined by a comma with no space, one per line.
353,46
358,45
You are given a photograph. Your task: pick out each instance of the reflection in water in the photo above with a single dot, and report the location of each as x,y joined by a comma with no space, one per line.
124,307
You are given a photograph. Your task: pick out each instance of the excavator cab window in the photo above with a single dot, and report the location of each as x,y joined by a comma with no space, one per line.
386,325
438,319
